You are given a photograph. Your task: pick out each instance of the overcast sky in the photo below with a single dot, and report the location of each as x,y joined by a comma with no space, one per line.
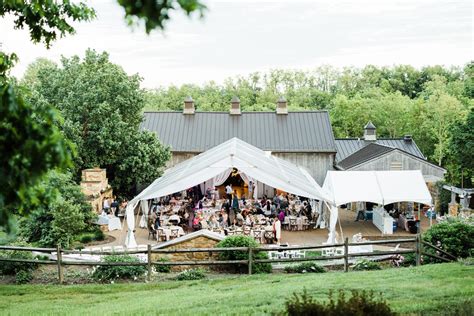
242,36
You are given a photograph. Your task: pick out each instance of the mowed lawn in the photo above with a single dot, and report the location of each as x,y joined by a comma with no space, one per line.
408,290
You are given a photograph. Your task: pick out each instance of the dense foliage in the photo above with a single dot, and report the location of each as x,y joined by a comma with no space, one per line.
111,273
30,145
305,267
102,106
243,241
426,103
453,236
22,270
192,274
62,214
359,303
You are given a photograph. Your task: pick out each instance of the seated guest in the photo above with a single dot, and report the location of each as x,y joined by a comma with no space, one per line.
240,219
260,211
267,209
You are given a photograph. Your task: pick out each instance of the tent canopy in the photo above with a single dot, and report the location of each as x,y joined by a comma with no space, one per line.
381,187
248,159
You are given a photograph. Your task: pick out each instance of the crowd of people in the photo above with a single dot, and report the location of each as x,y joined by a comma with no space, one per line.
232,214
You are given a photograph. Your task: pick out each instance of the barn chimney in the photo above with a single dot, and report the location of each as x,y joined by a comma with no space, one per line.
369,132
189,106
282,107
235,106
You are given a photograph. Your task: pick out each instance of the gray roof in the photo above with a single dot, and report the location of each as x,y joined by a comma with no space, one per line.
348,146
365,154
308,131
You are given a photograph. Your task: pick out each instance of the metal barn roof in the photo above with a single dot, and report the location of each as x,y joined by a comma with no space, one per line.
307,131
348,146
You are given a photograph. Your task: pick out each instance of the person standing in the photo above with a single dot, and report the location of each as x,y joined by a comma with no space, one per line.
114,206
250,190
106,205
277,230
235,201
228,191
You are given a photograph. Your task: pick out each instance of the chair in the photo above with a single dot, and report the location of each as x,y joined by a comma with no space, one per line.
269,237
151,231
246,231
293,224
305,224
230,232
174,233
161,235
257,234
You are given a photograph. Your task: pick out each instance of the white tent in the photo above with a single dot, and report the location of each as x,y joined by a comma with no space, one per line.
380,187
217,162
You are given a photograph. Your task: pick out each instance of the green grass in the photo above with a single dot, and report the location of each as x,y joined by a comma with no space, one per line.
408,290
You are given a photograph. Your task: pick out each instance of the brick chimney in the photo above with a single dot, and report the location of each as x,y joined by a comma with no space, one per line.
369,132
282,107
189,106
235,106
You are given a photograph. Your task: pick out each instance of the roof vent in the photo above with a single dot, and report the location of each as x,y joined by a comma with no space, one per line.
407,138
189,106
369,132
282,107
235,106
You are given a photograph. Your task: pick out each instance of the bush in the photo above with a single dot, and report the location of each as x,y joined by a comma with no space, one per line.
86,238
244,241
192,274
453,236
360,303
13,268
98,234
162,269
110,273
306,267
366,265
23,277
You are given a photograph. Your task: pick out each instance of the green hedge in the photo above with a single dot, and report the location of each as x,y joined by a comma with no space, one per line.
243,241
110,273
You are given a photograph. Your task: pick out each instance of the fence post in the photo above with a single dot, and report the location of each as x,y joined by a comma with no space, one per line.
59,260
346,255
250,259
149,262
418,250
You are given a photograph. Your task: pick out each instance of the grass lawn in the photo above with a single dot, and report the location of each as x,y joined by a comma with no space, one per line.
408,290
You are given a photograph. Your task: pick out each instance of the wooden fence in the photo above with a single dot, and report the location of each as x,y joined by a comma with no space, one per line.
417,243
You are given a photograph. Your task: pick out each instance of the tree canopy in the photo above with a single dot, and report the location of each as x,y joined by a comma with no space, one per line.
101,106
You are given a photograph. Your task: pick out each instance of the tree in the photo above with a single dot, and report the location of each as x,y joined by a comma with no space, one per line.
29,139
60,216
102,107
461,149
30,143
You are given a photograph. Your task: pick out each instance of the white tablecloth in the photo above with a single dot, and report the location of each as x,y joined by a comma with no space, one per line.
114,223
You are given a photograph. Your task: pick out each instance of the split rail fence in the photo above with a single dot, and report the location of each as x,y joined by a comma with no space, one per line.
60,263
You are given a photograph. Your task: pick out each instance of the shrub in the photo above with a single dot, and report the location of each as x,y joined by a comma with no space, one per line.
306,267
453,236
98,234
110,273
366,265
86,238
23,277
162,269
360,303
12,268
244,241
192,274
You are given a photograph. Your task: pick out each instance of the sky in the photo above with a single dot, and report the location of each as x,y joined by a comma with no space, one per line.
243,36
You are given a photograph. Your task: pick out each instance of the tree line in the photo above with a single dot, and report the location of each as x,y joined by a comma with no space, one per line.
432,103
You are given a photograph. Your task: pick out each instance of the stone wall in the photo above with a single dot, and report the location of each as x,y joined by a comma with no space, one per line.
95,186
198,242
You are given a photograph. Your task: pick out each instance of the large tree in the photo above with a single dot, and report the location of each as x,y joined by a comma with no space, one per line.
29,141
101,106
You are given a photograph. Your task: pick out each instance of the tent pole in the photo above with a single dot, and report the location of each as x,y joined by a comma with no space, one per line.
340,227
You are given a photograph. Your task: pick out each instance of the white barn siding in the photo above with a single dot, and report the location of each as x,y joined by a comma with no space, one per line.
393,159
